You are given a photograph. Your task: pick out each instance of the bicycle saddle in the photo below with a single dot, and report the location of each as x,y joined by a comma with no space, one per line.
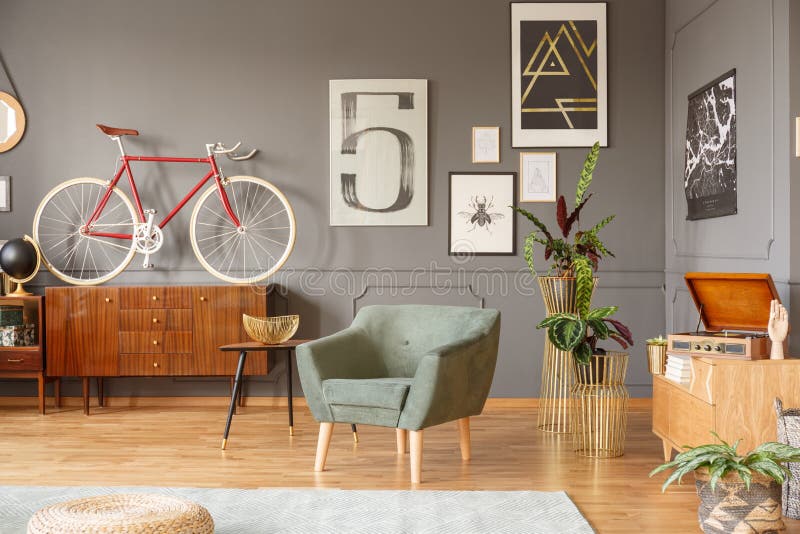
109,130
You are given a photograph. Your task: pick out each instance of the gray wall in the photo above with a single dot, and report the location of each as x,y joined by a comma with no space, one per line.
190,72
702,41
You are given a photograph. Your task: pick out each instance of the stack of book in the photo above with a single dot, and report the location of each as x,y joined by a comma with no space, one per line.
679,369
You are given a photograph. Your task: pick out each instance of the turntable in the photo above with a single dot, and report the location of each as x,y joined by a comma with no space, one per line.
734,308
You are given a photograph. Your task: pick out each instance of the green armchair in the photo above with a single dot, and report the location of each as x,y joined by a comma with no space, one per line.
407,367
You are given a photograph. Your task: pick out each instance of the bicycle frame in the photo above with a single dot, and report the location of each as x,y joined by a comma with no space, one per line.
126,168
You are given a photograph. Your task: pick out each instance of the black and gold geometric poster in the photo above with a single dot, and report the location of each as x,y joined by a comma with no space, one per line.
558,74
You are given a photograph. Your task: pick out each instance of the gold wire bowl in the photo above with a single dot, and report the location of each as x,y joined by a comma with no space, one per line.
271,330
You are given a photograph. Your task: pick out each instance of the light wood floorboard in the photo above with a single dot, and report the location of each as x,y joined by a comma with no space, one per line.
180,446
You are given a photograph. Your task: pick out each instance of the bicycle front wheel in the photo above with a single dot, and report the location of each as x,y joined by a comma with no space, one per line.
255,249
67,246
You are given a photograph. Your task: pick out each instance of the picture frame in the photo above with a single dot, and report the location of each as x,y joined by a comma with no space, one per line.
485,144
481,221
5,193
378,152
537,177
559,75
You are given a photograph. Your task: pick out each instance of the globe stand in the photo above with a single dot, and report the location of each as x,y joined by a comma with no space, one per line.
20,291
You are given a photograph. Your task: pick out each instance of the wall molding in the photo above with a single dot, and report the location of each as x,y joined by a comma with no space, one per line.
767,247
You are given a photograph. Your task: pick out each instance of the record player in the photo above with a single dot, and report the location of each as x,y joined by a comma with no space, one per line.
734,309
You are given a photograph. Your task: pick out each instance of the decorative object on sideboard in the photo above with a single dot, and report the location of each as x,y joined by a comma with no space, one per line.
20,260
738,493
5,193
789,433
242,228
735,310
537,177
379,152
481,218
656,355
709,177
777,328
559,94
12,122
271,330
485,144
571,273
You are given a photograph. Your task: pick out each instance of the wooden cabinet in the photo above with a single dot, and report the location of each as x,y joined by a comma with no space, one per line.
734,398
28,362
149,331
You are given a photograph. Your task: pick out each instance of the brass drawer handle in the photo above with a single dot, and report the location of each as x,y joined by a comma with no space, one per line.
155,342
202,299
155,320
20,360
155,364
108,299
155,297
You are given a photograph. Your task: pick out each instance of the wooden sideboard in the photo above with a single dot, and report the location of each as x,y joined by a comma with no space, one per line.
734,398
148,331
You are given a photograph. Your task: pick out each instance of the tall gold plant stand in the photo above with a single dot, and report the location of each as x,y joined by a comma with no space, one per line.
557,371
601,406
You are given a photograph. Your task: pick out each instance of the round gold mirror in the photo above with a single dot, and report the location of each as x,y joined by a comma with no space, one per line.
12,122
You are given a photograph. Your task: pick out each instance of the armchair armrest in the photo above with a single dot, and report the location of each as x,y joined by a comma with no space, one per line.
451,382
345,354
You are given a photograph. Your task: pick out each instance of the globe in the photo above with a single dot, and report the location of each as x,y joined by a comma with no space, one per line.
18,258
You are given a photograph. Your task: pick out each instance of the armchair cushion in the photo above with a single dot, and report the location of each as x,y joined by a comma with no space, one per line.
389,393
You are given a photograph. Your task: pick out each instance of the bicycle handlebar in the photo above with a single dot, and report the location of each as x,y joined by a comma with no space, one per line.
219,149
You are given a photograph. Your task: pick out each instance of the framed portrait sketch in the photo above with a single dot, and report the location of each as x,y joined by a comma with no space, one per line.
485,144
5,193
537,177
379,152
559,75
709,176
481,219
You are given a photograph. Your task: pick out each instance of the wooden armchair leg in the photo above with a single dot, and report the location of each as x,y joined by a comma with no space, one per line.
325,432
463,431
402,436
416,456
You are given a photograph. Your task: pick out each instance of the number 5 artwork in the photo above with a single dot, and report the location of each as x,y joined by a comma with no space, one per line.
379,152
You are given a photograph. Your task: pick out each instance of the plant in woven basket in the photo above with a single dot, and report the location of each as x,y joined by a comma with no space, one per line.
585,245
579,332
738,493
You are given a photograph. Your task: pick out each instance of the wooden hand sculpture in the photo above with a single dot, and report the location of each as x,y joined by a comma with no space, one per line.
778,328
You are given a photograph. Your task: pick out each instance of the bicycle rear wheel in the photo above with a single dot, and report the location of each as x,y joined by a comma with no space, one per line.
67,250
256,249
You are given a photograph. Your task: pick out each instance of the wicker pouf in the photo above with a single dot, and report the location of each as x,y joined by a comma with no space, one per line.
128,513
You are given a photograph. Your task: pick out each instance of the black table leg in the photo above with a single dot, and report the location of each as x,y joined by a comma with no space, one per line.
355,433
289,390
237,383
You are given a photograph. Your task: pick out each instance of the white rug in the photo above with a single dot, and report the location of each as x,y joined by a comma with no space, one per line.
263,511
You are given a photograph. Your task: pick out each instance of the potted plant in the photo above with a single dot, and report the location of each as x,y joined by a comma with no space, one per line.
737,493
656,355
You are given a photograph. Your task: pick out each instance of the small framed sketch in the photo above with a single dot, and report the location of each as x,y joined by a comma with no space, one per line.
537,177
5,193
481,220
485,144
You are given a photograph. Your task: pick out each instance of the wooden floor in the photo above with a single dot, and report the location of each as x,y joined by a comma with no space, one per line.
179,446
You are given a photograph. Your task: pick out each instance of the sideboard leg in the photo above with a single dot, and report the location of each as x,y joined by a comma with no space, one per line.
85,395
101,400
42,386
667,450
57,392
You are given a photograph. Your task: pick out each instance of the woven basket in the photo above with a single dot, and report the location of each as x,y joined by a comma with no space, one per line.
271,330
731,507
123,513
789,433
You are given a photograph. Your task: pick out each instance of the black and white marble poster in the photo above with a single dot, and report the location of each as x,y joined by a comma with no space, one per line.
709,178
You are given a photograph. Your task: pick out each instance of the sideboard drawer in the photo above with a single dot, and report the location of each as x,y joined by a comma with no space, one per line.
155,297
20,360
155,342
690,419
155,364
156,320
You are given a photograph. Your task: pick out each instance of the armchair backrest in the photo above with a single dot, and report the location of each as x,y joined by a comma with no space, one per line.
403,334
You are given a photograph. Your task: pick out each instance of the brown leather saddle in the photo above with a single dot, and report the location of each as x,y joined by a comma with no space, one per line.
109,130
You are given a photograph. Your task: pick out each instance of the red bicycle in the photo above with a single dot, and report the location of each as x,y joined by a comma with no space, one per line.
242,228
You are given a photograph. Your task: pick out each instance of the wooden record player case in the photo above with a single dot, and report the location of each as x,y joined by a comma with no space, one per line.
148,331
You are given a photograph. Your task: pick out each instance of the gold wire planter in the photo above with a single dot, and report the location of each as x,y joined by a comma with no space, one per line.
601,406
555,400
656,359
271,330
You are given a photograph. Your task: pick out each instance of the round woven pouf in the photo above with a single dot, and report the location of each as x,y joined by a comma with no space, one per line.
128,513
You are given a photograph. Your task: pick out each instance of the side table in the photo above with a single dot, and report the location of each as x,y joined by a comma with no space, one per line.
254,346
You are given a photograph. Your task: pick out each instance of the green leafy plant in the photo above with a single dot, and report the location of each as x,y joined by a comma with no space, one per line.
580,332
585,246
721,459
660,341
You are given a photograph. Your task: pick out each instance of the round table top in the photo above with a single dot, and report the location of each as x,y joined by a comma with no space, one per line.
252,346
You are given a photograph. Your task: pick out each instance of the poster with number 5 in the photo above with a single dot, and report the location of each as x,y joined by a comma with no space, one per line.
379,152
